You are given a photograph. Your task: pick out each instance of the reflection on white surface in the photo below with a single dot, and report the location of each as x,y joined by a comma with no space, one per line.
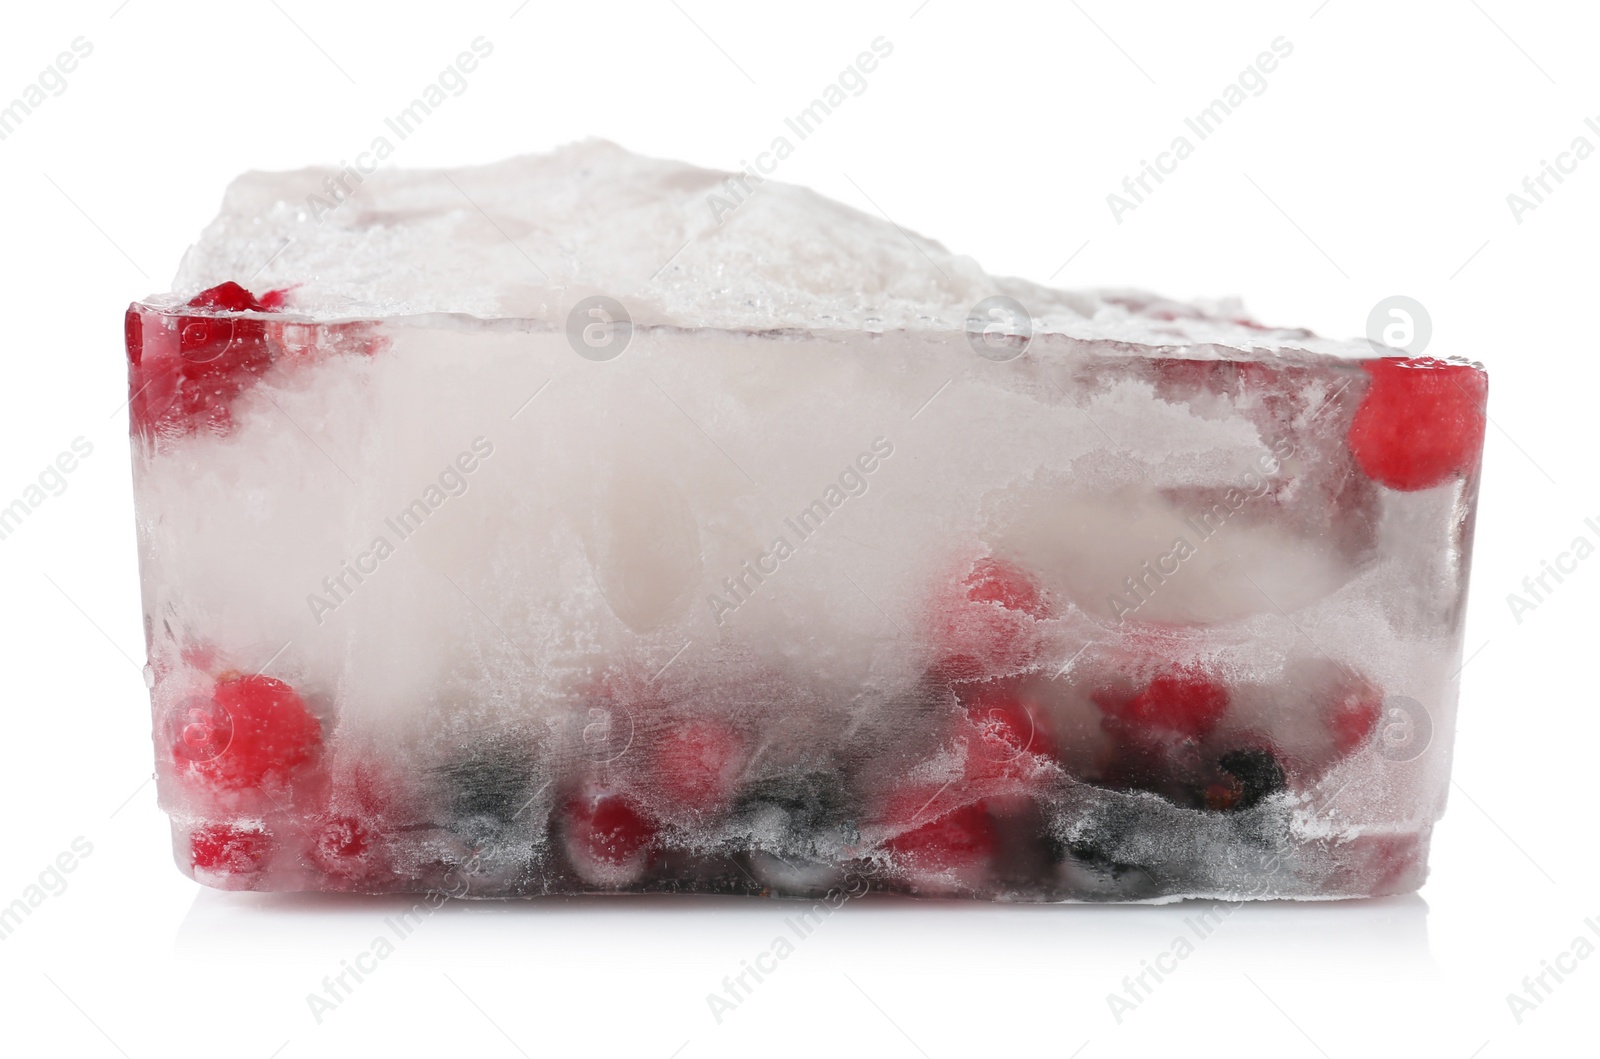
1389,933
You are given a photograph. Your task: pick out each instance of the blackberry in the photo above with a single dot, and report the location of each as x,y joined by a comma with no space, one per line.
1256,774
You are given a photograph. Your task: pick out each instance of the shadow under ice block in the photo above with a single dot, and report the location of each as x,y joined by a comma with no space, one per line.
522,529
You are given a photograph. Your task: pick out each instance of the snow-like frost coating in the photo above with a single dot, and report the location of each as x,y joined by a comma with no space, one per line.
526,237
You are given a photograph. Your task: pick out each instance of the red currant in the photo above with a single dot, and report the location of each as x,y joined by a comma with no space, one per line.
229,851
606,838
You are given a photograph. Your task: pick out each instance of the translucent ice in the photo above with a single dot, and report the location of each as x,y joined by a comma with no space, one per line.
521,529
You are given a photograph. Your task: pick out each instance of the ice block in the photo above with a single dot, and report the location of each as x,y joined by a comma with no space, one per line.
535,528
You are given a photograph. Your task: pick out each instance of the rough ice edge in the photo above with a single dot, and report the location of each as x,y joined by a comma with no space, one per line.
1313,351
594,218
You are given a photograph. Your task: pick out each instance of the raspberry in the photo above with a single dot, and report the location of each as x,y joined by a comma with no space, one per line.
1183,702
606,839
229,850
272,733
1421,422
697,764
997,581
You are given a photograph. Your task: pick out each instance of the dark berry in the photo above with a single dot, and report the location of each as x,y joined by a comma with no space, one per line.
1251,775
803,803
493,784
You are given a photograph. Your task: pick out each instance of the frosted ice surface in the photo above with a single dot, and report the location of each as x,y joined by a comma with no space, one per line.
525,237
802,589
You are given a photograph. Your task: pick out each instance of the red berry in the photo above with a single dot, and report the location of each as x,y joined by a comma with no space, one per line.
343,836
697,764
1421,422
133,335
200,731
952,849
229,850
189,386
986,625
606,838
272,733
229,297
1352,715
997,581
1008,732
340,846
1183,702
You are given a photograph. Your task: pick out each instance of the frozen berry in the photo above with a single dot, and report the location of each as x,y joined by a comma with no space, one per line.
272,733
491,786
340,843
229,855
997,581
1251,775
200,730
1183,702
800,805
1420,423
343,836
228,296
952,851
343,845
987,625
1353,715
1009,732
606,838
697,764
188,385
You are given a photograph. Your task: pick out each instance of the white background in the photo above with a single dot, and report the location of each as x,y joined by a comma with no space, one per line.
1377,162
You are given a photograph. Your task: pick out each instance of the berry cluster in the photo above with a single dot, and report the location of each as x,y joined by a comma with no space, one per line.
187,367
961,808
